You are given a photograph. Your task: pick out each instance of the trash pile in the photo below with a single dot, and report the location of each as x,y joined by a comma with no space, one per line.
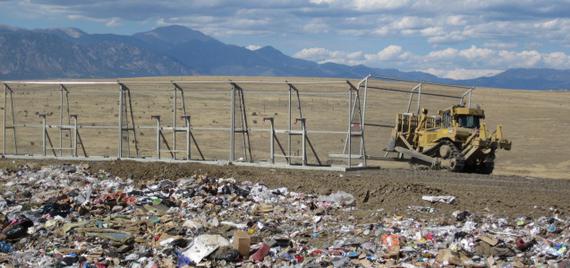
63,216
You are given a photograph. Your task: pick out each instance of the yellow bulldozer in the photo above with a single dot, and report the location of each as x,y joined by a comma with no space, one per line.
456,139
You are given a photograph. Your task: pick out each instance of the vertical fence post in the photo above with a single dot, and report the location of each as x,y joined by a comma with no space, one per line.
74,143
349,136
412,91
363,122
188,137
304,142
233,123
272,144
419,98
120,140
271,139
157,119
174,107
44,133
4,119
289,127
61,89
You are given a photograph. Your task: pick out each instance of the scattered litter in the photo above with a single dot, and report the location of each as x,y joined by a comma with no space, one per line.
448,199
204,245
260,254
422,209
462,215
339,199
242,242
67,217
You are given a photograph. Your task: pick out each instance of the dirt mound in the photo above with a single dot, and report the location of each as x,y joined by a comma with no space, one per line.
389,190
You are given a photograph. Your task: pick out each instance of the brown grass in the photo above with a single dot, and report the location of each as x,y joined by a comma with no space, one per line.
536,122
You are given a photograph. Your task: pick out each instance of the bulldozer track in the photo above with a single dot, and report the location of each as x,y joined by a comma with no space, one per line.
457,156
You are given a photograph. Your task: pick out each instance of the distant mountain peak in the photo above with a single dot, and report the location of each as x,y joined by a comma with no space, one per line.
73,32
269,49
173,34
174,28
10,28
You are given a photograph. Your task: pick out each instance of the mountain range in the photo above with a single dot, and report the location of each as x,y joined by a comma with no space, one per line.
177,50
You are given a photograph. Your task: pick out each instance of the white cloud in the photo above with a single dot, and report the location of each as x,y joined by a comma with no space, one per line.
449,62
475,53
549,24
322,55
391,52
557,60
382,31
447,53
217,27
253,47
432,31
316,26
494,59
314,53
109,22
364,5
319,2
462,73
456,20
444,29
526,58
500,45
410,23
113,22
406,25
447,38
378,4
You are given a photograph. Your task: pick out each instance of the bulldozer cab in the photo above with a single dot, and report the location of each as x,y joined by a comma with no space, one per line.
460,116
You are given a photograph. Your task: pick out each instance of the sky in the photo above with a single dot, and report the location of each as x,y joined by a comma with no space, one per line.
450,38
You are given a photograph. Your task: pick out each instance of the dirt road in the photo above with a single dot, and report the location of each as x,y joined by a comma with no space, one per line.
390,190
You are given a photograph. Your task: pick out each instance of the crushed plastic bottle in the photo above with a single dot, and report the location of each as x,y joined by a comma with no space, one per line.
5,247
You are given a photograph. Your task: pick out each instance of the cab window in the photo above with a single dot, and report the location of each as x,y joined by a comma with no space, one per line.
446,119
468,121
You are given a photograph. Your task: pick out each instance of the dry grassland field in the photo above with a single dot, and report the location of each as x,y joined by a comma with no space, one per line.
537,122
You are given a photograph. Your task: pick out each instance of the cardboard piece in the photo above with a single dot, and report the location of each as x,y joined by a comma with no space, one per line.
241,242
204,245
489,239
